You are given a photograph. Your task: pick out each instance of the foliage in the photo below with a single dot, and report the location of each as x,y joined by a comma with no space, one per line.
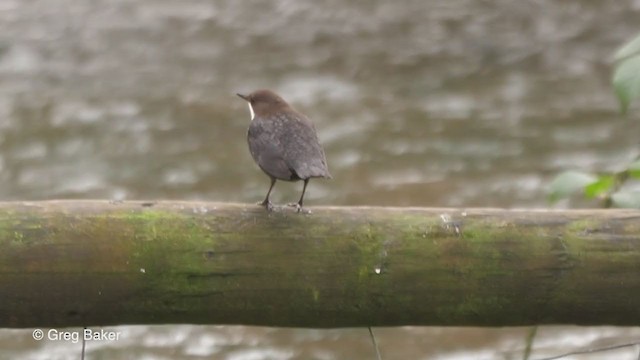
626,74
608,186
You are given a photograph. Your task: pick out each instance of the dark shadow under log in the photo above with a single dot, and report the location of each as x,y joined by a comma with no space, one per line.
89,263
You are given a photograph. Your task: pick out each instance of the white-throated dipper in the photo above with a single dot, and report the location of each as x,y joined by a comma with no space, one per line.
283,142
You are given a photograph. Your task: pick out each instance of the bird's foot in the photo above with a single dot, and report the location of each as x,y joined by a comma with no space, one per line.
299,208
267,205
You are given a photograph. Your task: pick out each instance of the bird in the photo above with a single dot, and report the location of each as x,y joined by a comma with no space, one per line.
283,142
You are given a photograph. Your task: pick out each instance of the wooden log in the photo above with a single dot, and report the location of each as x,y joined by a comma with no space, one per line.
90,263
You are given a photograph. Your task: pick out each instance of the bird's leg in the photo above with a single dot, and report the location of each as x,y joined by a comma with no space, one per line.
298,205
266,203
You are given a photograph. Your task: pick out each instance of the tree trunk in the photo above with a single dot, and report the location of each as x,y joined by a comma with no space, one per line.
89,263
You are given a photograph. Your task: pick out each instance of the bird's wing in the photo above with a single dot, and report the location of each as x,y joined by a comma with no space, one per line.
302,151
266,152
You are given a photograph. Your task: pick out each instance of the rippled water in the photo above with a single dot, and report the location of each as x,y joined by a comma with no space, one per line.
422,103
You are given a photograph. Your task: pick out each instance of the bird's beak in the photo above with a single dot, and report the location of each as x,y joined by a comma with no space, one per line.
245,97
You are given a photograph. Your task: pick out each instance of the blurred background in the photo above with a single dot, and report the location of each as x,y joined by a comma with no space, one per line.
466,103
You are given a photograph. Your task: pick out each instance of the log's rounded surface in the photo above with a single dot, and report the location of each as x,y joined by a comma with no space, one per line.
88,263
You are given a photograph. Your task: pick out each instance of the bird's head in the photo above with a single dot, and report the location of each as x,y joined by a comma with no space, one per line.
263,102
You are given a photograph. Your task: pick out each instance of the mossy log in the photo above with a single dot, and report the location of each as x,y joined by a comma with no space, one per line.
89,263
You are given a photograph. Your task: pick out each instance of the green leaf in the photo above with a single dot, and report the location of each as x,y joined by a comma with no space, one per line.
600,186
568,183
626,81
634,169
627,50
627,199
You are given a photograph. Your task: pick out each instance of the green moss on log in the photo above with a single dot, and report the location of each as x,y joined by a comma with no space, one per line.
97,263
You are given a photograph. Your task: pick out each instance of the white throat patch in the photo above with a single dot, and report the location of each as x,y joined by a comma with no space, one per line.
251,110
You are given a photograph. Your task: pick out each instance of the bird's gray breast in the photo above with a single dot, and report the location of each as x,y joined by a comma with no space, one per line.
266,150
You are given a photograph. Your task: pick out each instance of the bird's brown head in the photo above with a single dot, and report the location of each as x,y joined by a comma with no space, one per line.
264,102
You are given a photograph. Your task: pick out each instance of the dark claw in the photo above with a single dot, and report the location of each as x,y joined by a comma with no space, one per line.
267,205
299,208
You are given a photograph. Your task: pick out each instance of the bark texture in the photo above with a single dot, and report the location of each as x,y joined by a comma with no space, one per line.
89,263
